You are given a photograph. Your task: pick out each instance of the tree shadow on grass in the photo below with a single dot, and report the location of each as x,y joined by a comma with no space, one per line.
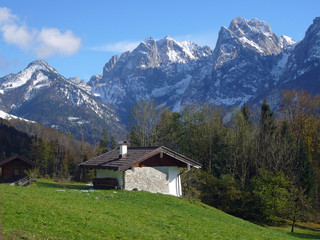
305,235
59,185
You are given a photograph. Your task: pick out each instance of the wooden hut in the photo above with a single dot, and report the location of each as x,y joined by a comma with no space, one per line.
13,168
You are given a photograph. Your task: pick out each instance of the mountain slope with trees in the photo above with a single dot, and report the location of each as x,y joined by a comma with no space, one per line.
261,165
59,154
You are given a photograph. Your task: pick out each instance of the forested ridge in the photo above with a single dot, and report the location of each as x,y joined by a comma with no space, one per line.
58,153
257,164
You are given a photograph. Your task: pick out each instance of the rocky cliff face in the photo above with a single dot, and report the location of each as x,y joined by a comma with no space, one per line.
247,62
155,69
302,69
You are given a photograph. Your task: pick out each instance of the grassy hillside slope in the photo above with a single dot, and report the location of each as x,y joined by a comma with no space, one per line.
45,211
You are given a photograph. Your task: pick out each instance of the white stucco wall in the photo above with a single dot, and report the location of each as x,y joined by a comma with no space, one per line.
174,181
104,173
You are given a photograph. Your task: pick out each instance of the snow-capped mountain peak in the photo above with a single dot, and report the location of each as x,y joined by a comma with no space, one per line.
243,27
40,65
287,42
181,52
34,69
254,34
40,93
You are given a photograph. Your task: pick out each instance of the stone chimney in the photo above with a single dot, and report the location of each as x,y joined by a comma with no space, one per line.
123,146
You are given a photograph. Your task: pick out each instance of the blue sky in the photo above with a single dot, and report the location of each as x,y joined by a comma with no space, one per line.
77,37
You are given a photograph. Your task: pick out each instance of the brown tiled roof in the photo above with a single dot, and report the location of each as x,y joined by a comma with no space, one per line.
111,160
22,159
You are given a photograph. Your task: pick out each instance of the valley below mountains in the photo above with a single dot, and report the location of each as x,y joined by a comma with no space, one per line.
248,63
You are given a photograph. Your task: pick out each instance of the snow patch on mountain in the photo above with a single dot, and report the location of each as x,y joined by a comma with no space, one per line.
8,116
40,78
230,101
178,52
78,121
177,107
246,41
79,83
277,71
179,88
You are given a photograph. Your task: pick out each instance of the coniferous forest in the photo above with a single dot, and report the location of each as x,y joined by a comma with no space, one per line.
257,164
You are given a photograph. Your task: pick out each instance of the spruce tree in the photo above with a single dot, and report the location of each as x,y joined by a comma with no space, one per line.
113,143
266,119
305,168
104,142
245,112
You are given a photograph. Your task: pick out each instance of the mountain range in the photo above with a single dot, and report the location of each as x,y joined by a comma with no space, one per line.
248,63
39,93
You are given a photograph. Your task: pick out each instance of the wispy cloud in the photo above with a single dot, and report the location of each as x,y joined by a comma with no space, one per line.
202,39
117,47
43,43
206,39
4,63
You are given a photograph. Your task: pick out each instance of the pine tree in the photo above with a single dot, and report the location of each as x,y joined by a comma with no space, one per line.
266,119
113,143
266,146
245,112
305,168
134,137
103,146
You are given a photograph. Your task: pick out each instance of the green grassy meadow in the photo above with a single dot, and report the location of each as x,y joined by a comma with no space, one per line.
46,211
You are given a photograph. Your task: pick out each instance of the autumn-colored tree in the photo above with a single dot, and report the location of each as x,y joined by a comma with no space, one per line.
144,116
301,110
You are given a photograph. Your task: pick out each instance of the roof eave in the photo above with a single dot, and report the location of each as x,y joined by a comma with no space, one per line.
22,159
97,167
181,157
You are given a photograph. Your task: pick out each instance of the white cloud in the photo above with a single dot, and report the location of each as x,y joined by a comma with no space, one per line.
6,15
120,47
52,42
20,36
44,43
